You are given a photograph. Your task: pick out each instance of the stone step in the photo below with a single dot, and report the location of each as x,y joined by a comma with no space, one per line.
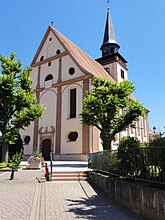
69,176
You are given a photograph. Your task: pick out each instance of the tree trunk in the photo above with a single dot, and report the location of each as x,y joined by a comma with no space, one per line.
4,152
107,140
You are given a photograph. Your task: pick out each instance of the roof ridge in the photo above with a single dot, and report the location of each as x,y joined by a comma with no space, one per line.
87,64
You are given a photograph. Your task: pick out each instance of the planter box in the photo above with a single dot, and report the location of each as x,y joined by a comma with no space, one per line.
34,165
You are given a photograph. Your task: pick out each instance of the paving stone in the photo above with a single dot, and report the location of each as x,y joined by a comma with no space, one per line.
25,199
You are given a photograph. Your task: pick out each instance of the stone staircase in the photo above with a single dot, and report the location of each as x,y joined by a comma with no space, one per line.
69,176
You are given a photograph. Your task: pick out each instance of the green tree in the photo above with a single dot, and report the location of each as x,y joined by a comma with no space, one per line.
18,105
108,107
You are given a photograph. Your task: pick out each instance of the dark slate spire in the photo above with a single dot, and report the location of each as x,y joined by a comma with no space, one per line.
109,45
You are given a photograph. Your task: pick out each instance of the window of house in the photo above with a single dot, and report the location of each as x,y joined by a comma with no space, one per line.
49,64
139,127
41,58
71,71
58,52
132,130
73,103
27,140
49,77
122,74
144,127
72,136
50,39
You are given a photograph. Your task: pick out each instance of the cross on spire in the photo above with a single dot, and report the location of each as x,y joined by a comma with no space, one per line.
108,3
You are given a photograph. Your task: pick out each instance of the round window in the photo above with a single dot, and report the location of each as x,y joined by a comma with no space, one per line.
50,39
72,136
27,139
71,71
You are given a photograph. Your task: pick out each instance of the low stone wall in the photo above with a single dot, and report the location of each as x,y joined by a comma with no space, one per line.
145,201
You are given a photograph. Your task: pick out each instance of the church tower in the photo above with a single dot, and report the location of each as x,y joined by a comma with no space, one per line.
111,59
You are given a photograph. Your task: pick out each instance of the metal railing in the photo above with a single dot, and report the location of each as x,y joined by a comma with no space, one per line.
140,164
51,164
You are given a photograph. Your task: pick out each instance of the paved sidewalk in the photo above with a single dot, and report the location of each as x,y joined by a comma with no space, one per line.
25,199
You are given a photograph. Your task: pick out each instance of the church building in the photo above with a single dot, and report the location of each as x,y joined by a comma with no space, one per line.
61,74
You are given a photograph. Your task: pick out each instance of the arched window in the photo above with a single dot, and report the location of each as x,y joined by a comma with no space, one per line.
73,103
58,52
49,77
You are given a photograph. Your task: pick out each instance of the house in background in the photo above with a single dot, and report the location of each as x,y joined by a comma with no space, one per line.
61,74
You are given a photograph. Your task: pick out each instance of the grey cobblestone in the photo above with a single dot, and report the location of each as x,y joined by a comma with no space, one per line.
25,199
17,195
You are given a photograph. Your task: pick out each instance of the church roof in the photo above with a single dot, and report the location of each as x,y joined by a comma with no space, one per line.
86,63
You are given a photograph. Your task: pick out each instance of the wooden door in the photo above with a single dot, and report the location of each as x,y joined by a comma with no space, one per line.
46,149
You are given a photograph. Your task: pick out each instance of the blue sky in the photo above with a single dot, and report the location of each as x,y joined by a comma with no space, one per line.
139,28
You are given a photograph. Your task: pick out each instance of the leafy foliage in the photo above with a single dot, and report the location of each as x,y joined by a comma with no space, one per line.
3,165
133,160
156,155
129,156
157,142
108,107
16,160
17,147
37,154
18,105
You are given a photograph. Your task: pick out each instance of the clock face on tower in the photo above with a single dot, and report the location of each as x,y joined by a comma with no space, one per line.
105,49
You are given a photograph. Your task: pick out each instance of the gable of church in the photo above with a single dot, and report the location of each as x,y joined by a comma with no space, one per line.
50,48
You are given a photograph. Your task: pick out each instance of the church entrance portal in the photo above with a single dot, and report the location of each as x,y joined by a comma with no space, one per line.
46,149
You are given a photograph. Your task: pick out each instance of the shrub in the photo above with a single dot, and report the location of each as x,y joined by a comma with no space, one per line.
129,161
37,154
3,165
156,156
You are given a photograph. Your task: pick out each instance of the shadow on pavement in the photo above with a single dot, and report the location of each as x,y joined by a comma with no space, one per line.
100,207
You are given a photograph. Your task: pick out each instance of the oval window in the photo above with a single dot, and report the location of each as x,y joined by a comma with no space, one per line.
72,136
71,71
27,139
41,58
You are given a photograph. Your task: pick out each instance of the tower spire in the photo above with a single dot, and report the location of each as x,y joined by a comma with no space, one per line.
109,45
108,4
